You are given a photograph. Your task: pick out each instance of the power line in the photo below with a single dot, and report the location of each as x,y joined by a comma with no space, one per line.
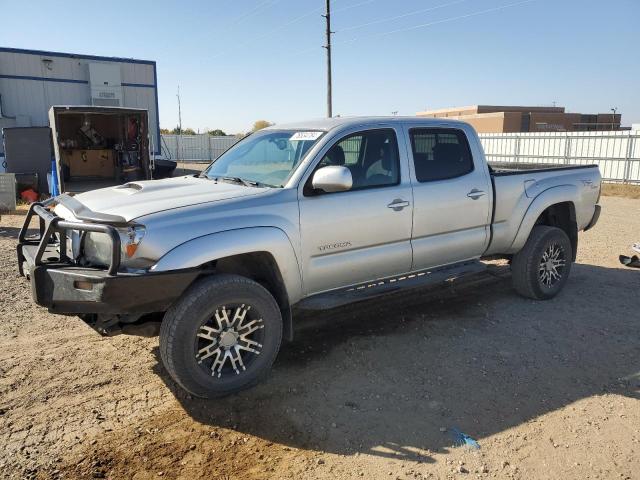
397,17
295,20
253,11
436,22
270,32
349,7
423,25
240,18
286,24
315,10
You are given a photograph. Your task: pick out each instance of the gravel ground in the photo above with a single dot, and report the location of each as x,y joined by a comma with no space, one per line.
548,389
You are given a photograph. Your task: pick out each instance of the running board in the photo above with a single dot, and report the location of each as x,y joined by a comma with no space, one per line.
365,291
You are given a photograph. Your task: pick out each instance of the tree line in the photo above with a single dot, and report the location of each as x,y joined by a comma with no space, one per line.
257,125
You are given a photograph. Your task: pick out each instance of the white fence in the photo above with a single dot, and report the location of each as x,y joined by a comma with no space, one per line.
617,153
193,148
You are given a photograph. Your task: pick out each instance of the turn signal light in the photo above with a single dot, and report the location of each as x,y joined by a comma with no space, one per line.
131,249
130,239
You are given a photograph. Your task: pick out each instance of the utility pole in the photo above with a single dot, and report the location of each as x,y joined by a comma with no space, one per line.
178,142
179,111
327,17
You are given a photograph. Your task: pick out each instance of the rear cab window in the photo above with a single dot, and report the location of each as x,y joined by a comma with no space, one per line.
440,153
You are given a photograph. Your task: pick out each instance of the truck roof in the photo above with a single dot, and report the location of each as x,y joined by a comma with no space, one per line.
326,124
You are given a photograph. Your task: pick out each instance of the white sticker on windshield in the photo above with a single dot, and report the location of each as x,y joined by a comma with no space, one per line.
299,136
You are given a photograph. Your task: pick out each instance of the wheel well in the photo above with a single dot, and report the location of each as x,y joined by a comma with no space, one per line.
262,268
563,216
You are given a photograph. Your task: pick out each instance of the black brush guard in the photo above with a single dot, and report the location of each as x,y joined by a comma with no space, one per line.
50,225
62,286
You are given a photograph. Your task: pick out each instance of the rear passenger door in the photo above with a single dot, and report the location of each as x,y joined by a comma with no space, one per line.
452,201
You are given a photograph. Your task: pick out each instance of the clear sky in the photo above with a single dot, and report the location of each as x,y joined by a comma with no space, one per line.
240,61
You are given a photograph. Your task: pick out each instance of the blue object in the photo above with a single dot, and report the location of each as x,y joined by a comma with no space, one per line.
54,179
460,439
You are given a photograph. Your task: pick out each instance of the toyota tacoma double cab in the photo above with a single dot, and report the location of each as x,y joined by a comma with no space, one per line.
312,215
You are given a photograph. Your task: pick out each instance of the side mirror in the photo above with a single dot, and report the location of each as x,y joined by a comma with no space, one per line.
333,178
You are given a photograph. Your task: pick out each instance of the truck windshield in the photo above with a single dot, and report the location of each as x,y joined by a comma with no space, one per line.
267,157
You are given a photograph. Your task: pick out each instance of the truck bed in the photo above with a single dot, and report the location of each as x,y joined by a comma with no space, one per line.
516,186
513,168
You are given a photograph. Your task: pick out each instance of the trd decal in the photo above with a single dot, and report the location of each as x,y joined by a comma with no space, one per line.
333,246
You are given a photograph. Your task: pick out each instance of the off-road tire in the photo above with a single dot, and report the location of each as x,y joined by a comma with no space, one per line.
181,323
525,264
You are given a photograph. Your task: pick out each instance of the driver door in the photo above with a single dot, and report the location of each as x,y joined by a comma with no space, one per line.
364,233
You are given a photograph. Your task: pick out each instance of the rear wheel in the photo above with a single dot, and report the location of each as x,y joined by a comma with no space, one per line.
222,336
541,269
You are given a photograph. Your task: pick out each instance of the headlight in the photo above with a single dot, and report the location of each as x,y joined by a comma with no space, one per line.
97,249
97,246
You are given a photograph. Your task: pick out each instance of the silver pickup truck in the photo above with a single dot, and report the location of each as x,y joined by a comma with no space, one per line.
311,215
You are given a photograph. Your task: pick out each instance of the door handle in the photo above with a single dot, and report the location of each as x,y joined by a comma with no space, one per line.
475,194
398,204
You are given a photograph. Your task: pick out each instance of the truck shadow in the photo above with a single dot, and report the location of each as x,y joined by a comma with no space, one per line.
11,232
386,377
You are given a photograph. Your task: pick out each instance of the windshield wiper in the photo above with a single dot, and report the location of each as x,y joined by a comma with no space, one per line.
242,181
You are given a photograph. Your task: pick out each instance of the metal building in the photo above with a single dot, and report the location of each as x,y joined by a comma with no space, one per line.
31,81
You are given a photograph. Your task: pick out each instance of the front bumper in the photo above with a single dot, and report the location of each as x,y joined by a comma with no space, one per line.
63,287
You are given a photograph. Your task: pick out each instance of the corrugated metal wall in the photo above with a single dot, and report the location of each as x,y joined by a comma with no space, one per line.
617,153
193,148
32,81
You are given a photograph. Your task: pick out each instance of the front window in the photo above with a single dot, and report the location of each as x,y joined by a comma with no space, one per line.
371,157
268,157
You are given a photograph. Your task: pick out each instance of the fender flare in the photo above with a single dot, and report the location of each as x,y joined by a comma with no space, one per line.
201,250
549,197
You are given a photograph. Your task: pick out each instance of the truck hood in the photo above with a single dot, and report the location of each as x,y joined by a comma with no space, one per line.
136,199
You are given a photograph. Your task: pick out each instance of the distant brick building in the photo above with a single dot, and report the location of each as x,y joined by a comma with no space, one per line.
504,119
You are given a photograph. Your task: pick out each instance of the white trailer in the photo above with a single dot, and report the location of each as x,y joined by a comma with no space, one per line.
32,81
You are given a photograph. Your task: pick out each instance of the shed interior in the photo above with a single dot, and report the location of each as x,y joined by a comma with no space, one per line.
101,149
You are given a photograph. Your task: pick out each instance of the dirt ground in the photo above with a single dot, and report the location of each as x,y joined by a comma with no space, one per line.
621,190
548,389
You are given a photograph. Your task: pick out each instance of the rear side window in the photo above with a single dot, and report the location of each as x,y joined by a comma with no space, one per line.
440,153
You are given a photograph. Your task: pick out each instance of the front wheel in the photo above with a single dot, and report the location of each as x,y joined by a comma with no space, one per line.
222,336
541,269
